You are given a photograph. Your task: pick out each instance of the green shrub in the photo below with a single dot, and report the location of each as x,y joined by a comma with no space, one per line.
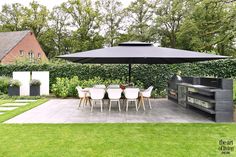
4,82
35,82
72,84
90,82
61,87
14,83
65,87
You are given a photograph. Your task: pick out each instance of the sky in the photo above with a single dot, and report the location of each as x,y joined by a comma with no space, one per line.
49,3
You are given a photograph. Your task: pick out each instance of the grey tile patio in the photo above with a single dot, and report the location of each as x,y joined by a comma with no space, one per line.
66,111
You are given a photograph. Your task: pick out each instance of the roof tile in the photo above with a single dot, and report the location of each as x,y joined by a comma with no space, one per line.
9,40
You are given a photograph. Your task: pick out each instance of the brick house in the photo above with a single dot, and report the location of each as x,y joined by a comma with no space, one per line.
20,46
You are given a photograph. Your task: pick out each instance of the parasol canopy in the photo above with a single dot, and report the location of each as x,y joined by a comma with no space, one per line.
138,53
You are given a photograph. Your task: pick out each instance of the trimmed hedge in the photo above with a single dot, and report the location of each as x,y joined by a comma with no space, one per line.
156,75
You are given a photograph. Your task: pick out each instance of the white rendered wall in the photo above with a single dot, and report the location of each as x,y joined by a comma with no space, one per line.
43,77
24,78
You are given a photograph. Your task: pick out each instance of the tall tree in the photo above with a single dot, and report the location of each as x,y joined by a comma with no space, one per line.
210,27
36,18
11,17
112,13
169,17
85,21
140,20
57,34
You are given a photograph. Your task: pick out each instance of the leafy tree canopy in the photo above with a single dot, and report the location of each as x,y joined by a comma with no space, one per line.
80,25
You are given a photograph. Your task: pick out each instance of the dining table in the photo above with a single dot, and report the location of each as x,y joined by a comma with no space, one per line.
141,99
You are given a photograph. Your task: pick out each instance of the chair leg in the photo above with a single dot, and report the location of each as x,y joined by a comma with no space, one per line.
127,105
80,100
149,102
85,104
142,100
101,104
92,103
110,106
136,105
144,105
119,105
139,100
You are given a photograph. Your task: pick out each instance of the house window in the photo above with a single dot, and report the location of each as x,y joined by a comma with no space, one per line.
31,55
39,56
21,53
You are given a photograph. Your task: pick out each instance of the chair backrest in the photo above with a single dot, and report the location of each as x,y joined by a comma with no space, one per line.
96,93
114,86
131,93
81,93
114,93
99,86
147,92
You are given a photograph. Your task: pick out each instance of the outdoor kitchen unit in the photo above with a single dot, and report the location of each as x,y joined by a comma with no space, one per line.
211,95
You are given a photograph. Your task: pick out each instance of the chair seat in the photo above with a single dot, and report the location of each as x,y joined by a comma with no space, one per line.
131,99
114,99
145,94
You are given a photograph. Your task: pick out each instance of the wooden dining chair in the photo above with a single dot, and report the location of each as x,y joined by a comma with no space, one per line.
83,96
146,94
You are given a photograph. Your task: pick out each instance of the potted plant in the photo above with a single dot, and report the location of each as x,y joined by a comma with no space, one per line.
35,87
14,88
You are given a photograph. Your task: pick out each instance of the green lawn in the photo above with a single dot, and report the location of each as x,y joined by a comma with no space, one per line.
131,140
102,140
3,101
13,113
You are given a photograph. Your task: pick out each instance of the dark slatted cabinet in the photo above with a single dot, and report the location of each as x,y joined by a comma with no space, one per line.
211,95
